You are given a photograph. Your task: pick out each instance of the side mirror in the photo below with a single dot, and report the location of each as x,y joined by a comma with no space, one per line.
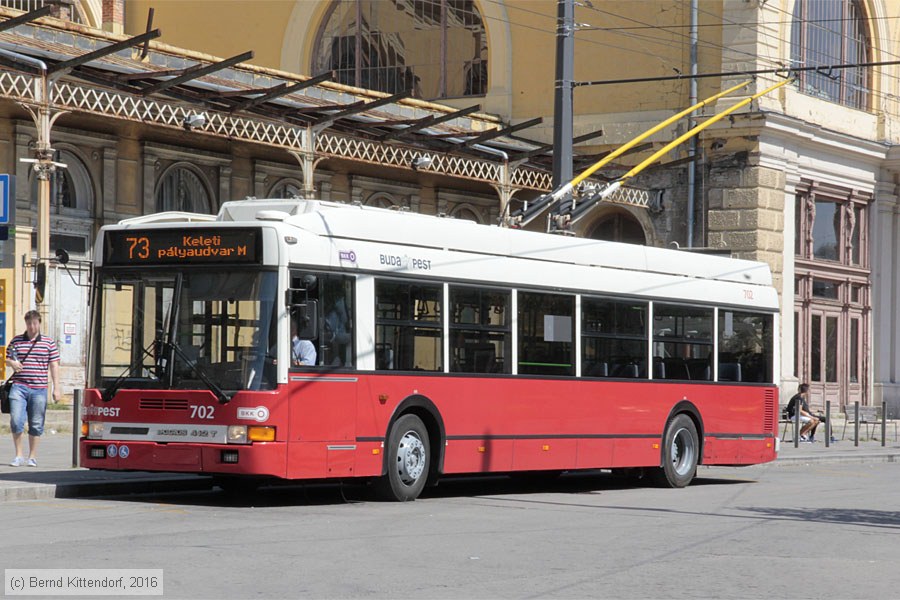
306,316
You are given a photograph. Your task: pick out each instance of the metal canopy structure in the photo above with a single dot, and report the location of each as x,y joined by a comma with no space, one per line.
312,118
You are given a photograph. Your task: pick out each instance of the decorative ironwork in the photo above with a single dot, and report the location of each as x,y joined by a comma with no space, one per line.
630,196
525,178
70,96
17,86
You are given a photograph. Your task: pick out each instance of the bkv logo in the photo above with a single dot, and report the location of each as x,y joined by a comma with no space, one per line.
347,256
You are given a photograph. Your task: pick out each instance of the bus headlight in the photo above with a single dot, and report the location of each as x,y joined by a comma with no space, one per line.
95,429
237,434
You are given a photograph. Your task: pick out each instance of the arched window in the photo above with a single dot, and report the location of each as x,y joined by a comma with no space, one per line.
75,189
832,32
466,213
181,189
436,48
70,186
380,200
619,227
286,189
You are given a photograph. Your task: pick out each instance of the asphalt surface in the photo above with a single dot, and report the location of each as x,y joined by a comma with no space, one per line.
55,476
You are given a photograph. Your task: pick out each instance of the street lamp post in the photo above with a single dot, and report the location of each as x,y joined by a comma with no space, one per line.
44,166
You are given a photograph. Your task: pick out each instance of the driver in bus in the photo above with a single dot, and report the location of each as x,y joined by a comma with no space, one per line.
303,352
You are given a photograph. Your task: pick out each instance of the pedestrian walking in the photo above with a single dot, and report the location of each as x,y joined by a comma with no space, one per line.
31,355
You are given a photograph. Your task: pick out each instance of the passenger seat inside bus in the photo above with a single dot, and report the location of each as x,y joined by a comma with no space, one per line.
483,358
628,370
730,371
384,357
595,369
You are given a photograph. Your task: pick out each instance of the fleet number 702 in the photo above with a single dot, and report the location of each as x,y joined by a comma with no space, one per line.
200,411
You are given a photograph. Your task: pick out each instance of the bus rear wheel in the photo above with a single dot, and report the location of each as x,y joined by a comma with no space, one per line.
681,452
408,460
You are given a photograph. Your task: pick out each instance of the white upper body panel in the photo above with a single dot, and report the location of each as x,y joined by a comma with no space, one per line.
367,239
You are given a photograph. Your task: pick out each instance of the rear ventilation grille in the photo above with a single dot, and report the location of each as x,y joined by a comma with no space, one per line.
163,404
769,411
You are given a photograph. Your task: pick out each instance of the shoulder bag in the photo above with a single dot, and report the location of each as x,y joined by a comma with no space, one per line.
7,385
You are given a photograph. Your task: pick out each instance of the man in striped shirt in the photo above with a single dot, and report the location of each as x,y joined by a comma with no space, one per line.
30,355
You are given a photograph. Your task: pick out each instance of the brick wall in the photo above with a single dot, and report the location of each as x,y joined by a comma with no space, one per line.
114,15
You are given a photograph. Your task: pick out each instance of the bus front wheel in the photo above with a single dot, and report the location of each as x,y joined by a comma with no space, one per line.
681,452
408,460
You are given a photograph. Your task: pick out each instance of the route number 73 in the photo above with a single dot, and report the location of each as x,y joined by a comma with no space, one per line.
140,247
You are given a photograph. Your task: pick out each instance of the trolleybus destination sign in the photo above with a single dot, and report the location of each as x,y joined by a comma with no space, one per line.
173,246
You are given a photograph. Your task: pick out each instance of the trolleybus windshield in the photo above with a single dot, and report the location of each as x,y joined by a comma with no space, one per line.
185,329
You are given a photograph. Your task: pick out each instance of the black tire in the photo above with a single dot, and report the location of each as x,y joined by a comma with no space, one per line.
408,460
535,477
680,453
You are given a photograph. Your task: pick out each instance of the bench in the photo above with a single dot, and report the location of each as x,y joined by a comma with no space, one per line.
786,423
869,417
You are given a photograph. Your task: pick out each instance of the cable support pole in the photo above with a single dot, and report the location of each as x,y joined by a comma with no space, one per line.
784,71
565,75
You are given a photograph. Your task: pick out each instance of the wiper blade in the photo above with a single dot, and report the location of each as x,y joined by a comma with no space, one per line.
110,391
223,396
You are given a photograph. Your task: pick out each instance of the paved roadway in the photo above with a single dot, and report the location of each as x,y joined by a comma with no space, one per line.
734,533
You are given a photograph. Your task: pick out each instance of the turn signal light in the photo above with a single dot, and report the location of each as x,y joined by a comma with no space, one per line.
84,429
261,433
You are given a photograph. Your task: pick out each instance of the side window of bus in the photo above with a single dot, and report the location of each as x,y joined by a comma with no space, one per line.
745,346
480,336
546,332
613,338
325,338
408,326
682,342
336,328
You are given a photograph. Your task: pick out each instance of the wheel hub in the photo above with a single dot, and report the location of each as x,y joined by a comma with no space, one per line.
683,451
411,457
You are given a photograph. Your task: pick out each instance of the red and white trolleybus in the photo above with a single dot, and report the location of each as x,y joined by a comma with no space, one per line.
440,346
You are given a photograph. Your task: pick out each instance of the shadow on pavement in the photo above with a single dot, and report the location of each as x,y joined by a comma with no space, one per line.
349,492
841,516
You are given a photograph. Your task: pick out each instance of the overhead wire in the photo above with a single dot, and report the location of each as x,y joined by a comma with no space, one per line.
553,32
892,74
886,100
762,29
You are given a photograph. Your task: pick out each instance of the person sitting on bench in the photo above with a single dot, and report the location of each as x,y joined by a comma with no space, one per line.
808,421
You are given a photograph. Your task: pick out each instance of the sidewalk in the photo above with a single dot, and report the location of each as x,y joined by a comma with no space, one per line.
842,451
56,478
